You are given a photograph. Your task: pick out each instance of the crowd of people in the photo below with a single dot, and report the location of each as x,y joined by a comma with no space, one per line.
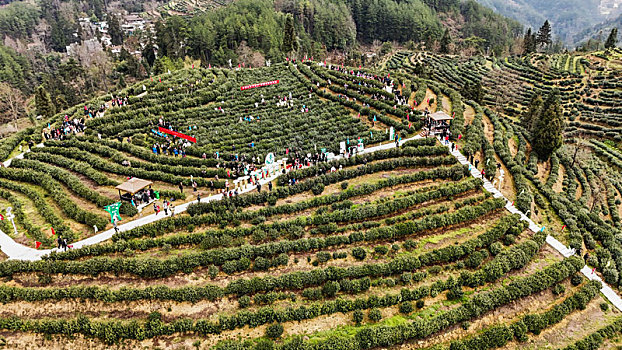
69,126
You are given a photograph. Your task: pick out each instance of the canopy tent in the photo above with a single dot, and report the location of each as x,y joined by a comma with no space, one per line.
440,116
132,186
438,123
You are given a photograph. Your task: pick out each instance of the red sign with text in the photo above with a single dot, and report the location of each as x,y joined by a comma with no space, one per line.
178,134
252,86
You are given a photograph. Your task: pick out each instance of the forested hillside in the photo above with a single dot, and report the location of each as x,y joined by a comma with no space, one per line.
37,35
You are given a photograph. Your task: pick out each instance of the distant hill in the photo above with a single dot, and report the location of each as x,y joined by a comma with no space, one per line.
599,31
568,17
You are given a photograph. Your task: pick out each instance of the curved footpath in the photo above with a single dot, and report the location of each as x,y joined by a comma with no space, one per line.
15,250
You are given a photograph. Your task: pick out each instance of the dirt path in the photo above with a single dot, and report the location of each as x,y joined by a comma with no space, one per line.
429,95
469,115
489,130
544,170
558,185
512,145
446,103
579,190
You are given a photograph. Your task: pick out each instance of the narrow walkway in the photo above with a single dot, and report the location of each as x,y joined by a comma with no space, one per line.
607,291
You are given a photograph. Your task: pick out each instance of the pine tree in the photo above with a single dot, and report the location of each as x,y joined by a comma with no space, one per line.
529,42
43,103
114,29
612,40
544,34
445,42
548,134
477,93
289,35
529,117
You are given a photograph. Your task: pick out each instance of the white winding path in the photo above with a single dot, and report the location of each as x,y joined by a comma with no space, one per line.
607,291
15,250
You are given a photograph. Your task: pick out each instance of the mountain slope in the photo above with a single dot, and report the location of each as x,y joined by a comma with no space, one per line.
566,16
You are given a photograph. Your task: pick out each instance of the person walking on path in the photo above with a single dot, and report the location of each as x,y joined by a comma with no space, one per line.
181,187
156,208
199,198
270,186
476,163
483,173
65,244
194,186
453,147
59,241
114,224
165,207
258,187
172,210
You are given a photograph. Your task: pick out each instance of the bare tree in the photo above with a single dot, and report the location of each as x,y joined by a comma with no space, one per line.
11,103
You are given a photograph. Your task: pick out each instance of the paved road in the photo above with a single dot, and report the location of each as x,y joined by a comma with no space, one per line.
607,291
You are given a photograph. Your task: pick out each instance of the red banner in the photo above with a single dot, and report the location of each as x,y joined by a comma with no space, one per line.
178,134
252,86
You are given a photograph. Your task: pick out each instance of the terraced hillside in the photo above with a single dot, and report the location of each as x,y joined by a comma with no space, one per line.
400,247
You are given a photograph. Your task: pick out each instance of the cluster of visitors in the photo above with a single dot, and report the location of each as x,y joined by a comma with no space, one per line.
119,101
62,243
73,126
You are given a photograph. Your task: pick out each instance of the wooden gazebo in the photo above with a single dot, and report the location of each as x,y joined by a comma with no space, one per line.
132,187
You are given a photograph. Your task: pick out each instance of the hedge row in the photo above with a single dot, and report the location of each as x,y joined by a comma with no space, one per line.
79,167
193,294
58,194
434,192
598,338
500,335
104,165
154,268
113,331
369,337
44,209
456,172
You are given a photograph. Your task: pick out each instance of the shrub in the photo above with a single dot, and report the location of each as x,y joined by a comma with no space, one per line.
381,250
559,289
44,279
330,289
611,275
357,316
576,279
406,307
244,301
374,315
455,293
359,253
496,248
323,257
420,304
509,240
344,185
274,331
604,306
318,188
